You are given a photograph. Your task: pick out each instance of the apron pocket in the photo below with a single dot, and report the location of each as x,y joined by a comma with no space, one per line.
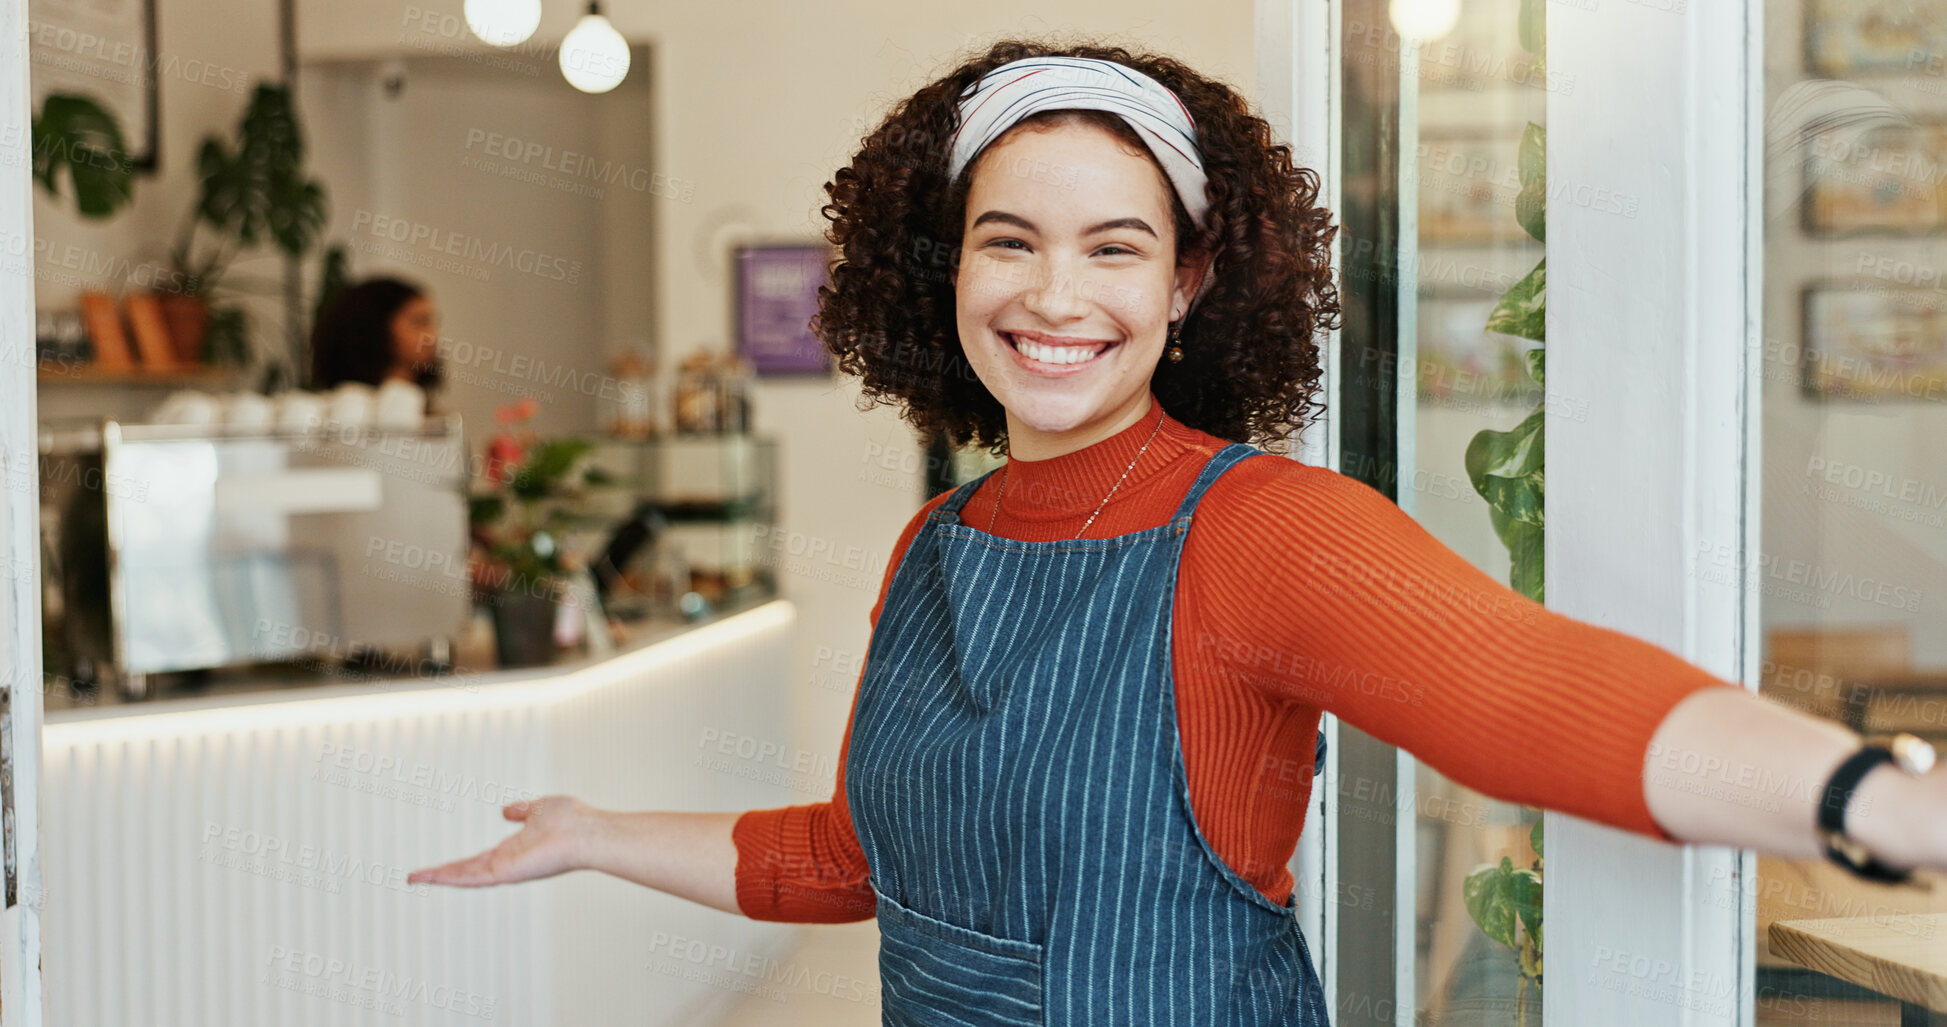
932,973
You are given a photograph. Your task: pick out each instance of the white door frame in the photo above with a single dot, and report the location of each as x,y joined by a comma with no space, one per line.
1298,90
1654,254
20,549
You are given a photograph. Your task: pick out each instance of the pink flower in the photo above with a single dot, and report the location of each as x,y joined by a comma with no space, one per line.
503,454
522,409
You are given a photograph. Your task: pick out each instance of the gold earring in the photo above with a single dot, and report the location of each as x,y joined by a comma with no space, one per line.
1175,352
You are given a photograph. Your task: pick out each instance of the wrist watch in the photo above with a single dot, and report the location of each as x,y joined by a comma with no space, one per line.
1908,752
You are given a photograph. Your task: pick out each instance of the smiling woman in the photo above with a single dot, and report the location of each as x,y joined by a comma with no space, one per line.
1157,609
1067,224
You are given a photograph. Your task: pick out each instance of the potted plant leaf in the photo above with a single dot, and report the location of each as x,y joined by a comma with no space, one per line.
75,136
1504,901
524,512
253,190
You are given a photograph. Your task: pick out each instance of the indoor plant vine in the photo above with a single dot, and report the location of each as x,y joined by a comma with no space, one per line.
1506,468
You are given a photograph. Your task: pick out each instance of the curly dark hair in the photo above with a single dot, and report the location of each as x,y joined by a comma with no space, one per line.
1250,368
352,339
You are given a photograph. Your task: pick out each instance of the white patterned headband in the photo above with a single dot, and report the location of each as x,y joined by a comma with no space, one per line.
1013,91
1017,89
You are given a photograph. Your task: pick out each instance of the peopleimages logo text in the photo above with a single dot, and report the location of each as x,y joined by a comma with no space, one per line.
575,165
467,247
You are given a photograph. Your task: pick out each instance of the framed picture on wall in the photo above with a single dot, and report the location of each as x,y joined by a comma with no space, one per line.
1844,38
105,50
1866,340
776,296
1886,180
1468,182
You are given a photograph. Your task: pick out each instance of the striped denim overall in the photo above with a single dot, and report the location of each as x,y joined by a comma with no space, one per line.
1017,784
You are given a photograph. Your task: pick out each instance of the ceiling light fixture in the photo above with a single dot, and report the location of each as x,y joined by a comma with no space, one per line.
1424,20
503,22
594,57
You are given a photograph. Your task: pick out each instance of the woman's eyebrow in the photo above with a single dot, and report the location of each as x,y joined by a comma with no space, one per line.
1015,219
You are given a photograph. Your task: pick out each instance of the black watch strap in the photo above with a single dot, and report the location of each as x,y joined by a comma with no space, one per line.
1839,846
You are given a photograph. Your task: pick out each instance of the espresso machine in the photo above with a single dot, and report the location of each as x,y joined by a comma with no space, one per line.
189,547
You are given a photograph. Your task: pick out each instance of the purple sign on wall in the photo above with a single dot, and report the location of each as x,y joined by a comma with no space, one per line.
777,295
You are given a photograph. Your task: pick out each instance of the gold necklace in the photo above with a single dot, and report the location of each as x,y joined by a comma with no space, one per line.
1098,507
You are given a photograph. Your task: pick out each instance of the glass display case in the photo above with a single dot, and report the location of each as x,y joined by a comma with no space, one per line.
689,513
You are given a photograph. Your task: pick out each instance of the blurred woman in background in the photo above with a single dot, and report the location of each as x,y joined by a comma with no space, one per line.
377,330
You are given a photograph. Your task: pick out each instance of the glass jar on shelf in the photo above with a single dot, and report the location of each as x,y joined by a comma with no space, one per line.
697,396
733,385
629,408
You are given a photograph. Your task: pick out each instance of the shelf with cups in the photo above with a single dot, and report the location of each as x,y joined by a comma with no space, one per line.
186,377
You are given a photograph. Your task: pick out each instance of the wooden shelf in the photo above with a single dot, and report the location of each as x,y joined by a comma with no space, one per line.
197,376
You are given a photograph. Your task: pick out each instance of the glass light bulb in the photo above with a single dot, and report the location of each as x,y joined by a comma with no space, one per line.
503,22
1424,19
594,57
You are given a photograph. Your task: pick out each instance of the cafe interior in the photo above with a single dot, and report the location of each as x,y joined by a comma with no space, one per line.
617,531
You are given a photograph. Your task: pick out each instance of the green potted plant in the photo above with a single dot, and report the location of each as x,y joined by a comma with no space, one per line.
253,190
1507,469
1504,901
75,136
524,509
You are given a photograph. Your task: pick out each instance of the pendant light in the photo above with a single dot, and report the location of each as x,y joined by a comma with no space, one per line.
503,22
1424,20
594,57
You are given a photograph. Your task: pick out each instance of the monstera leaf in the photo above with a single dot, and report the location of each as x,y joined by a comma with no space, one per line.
256,191
76,135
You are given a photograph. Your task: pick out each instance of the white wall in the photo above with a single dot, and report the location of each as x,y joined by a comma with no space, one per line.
521,269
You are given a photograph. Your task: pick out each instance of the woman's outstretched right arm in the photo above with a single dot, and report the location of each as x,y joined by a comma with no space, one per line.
796,863
686,854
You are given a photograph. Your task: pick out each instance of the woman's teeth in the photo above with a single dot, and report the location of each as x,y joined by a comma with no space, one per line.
1055,354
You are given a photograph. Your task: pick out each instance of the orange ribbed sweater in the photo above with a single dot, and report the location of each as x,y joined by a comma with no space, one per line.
1299,591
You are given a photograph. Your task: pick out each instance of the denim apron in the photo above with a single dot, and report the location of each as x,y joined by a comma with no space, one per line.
1017,784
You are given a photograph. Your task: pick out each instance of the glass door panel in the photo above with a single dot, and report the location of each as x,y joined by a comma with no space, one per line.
1444,165
1851,572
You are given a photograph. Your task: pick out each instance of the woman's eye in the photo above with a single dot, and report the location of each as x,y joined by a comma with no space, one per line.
1110,250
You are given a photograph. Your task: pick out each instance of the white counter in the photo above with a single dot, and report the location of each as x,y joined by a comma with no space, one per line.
241,859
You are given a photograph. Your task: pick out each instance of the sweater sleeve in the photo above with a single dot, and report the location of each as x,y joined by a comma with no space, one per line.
803,863
1321,590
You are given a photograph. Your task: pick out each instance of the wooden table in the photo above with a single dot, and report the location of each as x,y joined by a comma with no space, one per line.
1901,956
1889,695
